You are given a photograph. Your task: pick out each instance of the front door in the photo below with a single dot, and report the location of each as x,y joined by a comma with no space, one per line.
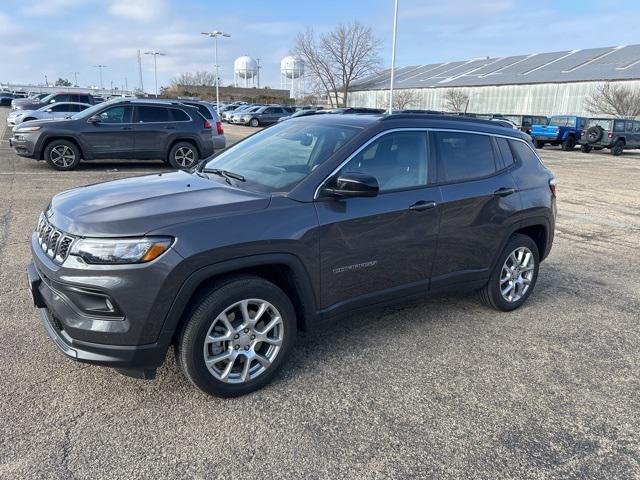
381,245
112,136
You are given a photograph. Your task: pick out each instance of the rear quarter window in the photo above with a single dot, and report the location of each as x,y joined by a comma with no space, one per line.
523,152
505,152
179,115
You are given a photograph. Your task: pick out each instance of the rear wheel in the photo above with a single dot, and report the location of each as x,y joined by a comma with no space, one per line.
584,148
254,122
183,156
514,275
62,155
617,148
237,337
539,143
568,143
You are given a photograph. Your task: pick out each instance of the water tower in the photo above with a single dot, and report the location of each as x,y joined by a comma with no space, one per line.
292,75
245,71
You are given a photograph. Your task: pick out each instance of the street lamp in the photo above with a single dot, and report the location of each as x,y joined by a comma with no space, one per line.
393,54
215,34
100,67
155,66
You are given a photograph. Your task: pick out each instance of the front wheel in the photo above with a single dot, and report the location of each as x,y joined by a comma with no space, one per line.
183,156
254,122
514,275
568,144
62,155
539,143
237,337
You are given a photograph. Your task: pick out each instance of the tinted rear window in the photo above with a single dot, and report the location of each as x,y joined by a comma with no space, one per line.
153,114
464,156
179,115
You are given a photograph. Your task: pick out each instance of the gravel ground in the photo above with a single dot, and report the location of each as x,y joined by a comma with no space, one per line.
441,389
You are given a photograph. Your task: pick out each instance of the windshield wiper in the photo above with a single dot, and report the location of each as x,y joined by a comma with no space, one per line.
224,173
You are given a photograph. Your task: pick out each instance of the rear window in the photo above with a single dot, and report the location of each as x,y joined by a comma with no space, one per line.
464,156
153,114
606,124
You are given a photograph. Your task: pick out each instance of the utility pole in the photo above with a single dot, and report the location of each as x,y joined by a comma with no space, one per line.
215,34
258,72
393,54
155,66
100,67
140,72
75,74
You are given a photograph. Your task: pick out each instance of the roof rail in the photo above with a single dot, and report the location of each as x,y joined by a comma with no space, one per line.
436,116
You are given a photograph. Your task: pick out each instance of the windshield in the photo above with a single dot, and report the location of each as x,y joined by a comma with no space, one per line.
605,123
278,158
91,110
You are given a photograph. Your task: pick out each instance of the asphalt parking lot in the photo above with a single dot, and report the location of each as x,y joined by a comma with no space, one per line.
442,389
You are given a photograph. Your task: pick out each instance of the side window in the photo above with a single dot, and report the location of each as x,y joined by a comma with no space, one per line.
268,110
629,126
526,121
62,108
397,160
152,114
120,114
505,151
179,115
618,126
636,127
82,107
523,152
464,156
277,110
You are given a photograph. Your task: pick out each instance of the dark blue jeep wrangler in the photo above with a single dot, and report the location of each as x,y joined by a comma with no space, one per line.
562,130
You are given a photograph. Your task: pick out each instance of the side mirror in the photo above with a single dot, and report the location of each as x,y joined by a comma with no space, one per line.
94,119
353,184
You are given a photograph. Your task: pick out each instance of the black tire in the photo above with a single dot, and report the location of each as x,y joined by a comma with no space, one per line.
568,143
617,148
62,155
206,308
183,156
539,144
490,294
584,148
254,122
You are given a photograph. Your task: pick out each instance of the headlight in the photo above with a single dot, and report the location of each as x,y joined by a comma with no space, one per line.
120,251
27,129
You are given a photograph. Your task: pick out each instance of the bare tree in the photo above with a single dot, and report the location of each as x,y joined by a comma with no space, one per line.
614,100
202,78
455,100
338,58
403,98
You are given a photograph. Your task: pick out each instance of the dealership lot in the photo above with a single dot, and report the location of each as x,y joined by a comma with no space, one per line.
443,388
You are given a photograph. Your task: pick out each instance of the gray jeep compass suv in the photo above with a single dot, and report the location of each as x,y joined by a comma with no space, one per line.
123,129
301,223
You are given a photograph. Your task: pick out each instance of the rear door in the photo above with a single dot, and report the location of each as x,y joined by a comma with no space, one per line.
152,125
479,204
112,136
381,245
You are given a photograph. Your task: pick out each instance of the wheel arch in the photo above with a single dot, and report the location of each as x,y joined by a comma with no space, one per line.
172,143
48,140
284,270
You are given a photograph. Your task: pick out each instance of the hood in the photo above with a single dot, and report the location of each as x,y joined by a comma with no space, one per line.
136,206
44,121
26,104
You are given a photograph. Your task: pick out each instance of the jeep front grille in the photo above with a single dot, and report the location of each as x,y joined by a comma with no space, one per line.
55,243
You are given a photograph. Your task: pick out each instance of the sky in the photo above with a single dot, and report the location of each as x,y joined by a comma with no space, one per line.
58,37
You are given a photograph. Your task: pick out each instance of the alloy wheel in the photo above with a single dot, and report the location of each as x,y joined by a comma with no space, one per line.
184,157
517,274
243,341
62,156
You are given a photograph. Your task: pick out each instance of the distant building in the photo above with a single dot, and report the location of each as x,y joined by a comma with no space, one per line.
538,84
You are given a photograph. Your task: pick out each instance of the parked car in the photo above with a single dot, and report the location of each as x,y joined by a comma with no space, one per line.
262,116
615,134
562,130
34,104
140,129
48,112
6,99
235,116
231,109
305,221
525,122
208,111
302,113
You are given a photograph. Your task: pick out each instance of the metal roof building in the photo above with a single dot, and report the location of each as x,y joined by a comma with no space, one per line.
539,83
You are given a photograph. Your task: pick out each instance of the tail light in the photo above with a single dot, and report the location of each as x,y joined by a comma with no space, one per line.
207,124
553,186
610,135
219,128
583,133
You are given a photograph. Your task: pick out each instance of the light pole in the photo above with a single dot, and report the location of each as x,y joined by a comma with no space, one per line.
393,54
100,67
75,74
155,66
215,34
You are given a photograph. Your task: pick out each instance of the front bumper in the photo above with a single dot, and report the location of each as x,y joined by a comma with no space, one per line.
23,145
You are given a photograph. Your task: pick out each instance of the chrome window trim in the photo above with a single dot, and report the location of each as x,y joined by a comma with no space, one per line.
415,129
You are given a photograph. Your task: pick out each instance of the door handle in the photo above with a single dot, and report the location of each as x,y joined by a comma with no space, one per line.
423,205
126,128
504,192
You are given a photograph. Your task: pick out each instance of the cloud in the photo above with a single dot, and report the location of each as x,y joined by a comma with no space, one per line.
138,10
453,9
51,7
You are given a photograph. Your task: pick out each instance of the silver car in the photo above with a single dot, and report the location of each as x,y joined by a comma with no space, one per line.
54,111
